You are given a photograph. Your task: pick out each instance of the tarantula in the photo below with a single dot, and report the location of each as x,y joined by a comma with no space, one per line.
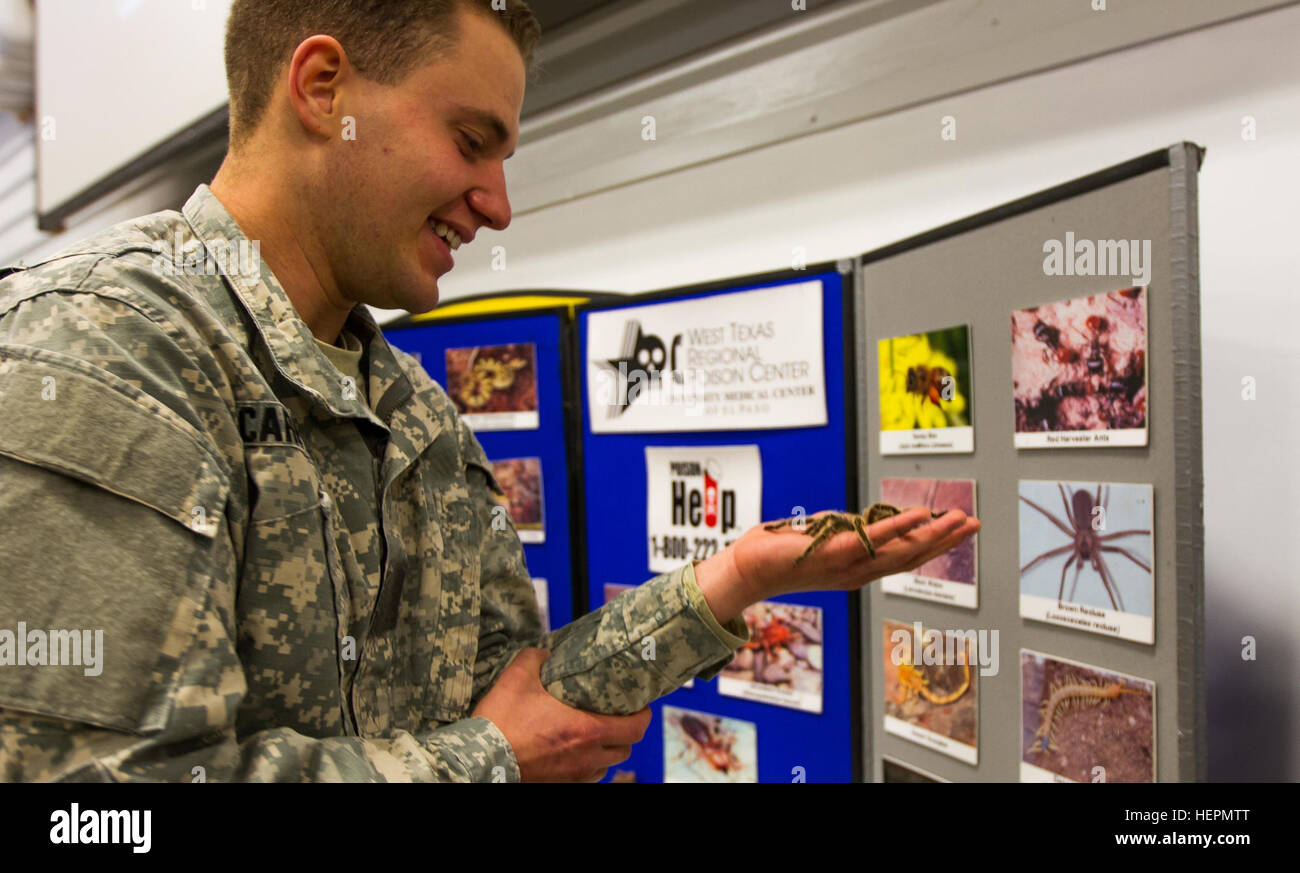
823,527
1087,545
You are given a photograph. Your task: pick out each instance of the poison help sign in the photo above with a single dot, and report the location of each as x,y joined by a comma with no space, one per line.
699,500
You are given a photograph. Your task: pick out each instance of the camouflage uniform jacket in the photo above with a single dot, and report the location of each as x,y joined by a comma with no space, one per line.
292,583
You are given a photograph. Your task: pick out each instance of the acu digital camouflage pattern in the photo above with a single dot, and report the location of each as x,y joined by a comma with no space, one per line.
291,585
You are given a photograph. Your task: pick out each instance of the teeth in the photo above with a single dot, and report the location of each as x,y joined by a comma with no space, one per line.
442,230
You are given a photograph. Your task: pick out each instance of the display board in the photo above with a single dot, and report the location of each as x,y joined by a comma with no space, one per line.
1039,364
506,372
706,409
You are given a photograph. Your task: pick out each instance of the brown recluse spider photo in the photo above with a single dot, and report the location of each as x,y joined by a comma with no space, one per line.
1087,545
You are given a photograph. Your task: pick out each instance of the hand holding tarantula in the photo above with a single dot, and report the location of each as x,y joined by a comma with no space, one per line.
847,552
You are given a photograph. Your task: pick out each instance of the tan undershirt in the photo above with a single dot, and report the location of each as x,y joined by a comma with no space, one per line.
347,359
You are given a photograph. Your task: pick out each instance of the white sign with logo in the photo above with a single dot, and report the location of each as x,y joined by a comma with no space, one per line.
699,500
740,361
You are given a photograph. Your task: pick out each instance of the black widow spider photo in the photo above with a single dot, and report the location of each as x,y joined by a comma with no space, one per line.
1086,547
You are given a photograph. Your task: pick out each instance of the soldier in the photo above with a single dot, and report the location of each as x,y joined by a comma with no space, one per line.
275,523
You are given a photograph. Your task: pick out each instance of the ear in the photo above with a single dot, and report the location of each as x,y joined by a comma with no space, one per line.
318,72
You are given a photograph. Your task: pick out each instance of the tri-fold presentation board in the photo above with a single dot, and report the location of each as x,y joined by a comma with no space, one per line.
1039,366
1036,365
505,362
706,410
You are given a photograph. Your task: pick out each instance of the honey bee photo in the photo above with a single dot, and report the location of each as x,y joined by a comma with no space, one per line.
494,387
1078,371
925,386
700,747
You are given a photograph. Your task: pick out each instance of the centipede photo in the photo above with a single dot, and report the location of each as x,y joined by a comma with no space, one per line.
1081,365
1083,723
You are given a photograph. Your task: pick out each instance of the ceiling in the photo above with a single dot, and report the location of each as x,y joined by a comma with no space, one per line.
590,45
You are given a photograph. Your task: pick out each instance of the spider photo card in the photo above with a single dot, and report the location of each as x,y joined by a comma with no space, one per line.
494,387
1078,371
952,577
931,679
926,404
782,662
1080,723
1087,557
701,747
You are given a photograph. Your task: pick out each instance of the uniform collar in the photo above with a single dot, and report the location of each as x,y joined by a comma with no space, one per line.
290,342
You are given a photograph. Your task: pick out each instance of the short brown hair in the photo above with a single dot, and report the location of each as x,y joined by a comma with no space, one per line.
384,40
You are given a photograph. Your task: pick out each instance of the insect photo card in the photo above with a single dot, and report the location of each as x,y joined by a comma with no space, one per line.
926,404
1081,723
952,577
521,480
930,689
700,747
782,662
1078,372
494,387
1087,557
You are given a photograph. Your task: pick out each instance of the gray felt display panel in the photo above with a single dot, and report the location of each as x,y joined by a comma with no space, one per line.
976,272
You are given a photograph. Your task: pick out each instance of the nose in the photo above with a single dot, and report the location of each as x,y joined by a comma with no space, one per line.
488,197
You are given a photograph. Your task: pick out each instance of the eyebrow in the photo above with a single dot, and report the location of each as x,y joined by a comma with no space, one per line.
488,120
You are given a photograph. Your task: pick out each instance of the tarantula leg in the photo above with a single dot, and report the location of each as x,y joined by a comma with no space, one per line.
1125,553
1043,557
814,545
860,528
1056,521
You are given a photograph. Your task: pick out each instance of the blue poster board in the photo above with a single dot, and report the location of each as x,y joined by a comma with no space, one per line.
814,467
551,560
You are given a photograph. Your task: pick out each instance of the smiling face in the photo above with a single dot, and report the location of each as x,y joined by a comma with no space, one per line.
426,152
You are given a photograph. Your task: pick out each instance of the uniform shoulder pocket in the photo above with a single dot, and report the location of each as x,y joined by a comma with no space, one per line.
60,413
475,458
112,507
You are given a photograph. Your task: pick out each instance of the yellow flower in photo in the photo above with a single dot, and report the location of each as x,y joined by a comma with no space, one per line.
904,409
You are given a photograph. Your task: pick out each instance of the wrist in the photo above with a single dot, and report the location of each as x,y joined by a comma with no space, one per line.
725,589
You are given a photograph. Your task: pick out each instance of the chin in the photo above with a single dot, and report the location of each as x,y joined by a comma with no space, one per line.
421,297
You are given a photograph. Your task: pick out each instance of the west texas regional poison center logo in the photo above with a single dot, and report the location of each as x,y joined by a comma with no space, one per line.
640,368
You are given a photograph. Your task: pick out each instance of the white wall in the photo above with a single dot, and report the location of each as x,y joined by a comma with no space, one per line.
167,83
842,192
